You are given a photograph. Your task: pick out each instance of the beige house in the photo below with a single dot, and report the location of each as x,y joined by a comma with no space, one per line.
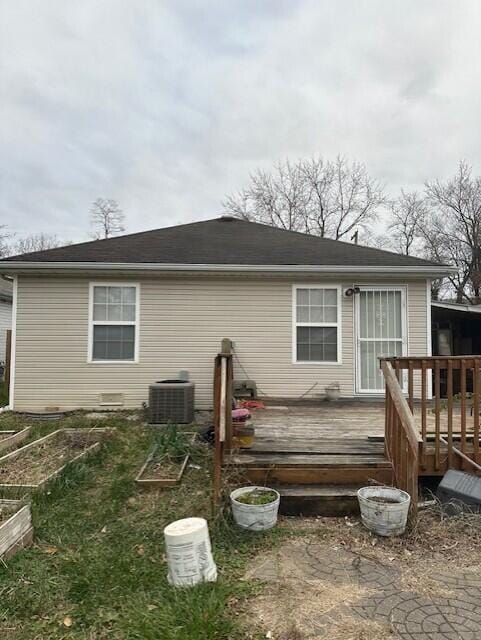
95,323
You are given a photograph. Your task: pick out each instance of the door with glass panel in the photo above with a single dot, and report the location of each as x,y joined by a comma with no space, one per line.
381,331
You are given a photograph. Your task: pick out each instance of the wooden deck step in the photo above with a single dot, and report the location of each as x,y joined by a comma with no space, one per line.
319,500
324,446
337,460
315,475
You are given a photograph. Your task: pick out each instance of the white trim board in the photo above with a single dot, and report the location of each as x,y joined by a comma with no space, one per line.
413,271
11,397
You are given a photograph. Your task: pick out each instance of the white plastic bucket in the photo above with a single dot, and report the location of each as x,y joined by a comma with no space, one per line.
384,518
189,553
255,517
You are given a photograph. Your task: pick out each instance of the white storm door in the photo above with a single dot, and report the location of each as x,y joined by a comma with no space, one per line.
381,331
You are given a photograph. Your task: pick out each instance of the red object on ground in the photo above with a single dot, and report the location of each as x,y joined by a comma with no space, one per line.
253,404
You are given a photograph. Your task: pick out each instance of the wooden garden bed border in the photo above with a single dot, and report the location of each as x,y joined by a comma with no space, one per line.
18,452
14,438
163,482
17,531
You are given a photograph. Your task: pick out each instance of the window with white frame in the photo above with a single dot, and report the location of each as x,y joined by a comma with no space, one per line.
316,330
113,322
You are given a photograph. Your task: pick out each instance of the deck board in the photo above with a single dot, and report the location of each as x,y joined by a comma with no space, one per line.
306,460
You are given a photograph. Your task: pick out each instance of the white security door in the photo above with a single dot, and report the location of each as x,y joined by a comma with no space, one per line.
381,331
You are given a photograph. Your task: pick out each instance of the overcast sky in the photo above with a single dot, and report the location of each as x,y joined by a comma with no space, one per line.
167,106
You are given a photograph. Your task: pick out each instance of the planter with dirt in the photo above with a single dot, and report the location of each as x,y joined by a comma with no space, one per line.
384,510
168,458
38,462
16,531
10,439
255,508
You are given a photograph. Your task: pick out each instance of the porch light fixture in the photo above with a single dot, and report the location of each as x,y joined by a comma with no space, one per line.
352,291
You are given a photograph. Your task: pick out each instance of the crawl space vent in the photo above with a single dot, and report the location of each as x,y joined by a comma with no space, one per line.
171,401
112,399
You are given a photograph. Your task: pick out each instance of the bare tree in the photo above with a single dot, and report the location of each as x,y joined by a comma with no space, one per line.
452,232
328,198
408,215
4,236
107,218
277,198
36,242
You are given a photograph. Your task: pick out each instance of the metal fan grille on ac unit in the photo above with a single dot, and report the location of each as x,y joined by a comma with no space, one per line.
171,401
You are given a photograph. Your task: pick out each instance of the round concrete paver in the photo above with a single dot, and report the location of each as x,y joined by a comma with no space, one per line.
341,566
449,609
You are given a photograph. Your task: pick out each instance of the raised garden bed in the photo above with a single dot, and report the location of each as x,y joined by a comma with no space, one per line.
16,531
163,470
35,464
9,439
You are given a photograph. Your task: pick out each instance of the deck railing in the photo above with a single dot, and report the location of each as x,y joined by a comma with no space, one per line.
223,376
443,393
401,436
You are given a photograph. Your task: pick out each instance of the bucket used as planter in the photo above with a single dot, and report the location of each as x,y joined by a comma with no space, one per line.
333,391
189,554
384,510
255,517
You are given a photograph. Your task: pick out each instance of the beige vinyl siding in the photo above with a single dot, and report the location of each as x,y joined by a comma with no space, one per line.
182,321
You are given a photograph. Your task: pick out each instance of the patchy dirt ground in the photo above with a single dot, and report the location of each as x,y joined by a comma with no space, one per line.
337,581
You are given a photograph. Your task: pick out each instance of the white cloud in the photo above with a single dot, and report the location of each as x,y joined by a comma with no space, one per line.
168,106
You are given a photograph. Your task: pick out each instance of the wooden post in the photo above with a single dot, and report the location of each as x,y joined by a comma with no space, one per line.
222,413
476,379
410,385
424,435
437,409
217,441
463,411
449,391
8,359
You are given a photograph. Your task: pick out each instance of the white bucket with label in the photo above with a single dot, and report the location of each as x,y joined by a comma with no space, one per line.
189,553
255,517
384,510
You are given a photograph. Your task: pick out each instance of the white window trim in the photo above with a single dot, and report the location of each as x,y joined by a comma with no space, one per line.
338,324
404,328
11,397
135,323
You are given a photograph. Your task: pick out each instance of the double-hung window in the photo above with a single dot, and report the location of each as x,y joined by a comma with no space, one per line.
316,324
113,331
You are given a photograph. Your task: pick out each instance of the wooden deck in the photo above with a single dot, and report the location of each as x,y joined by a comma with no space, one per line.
329,433
319,453
322,453
316,455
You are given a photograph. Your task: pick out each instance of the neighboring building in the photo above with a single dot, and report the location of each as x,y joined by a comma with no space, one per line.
5,314
104,319
456,328
456,331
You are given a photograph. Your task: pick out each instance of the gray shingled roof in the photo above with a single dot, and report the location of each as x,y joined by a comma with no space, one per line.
222,241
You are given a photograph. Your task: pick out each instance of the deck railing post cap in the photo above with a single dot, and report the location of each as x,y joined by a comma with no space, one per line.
226,346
